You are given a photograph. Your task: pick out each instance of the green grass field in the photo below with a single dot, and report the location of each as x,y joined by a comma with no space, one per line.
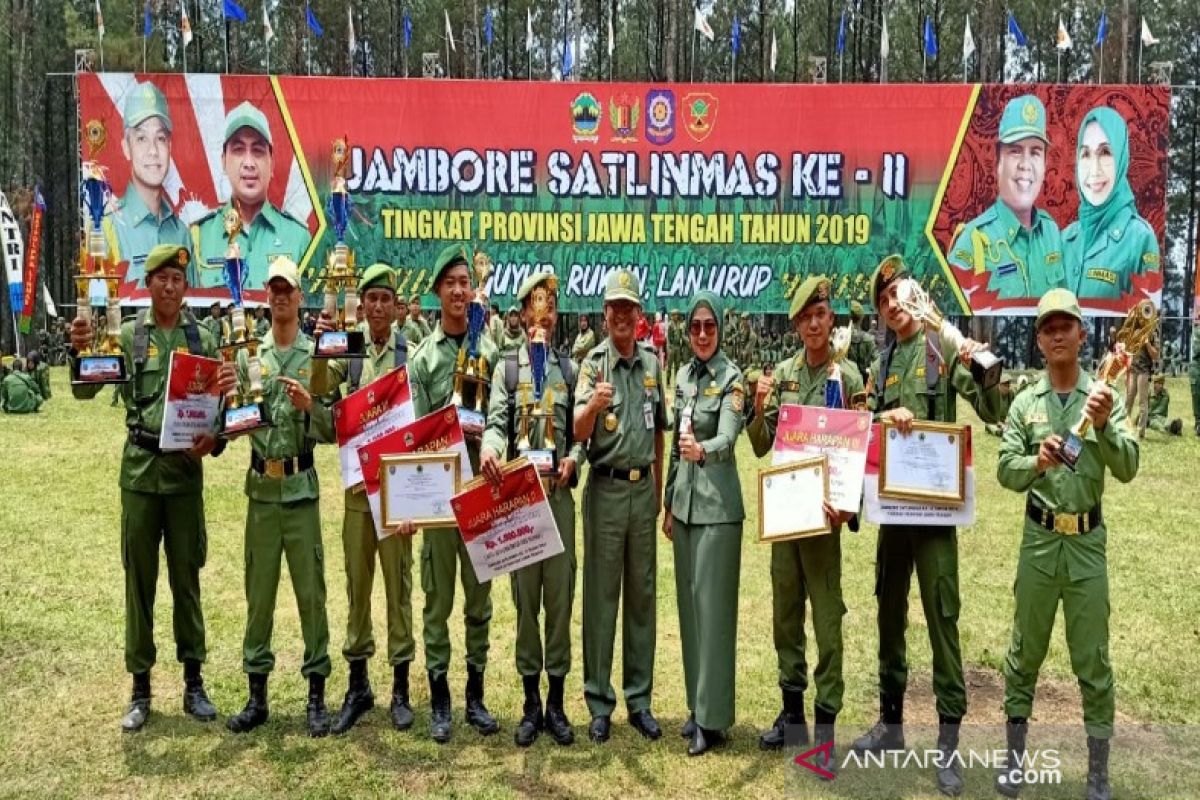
63,687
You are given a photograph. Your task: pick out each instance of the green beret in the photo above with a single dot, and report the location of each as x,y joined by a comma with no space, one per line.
1057,301
167,255
1023,117
856,309
449,257
815,289
534,280
888,270
622,284
377,276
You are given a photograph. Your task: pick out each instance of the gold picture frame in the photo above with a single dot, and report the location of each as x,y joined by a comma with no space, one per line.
393,466
892,487
817,469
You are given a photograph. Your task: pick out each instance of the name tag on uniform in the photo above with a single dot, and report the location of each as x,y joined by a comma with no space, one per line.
891,381
1105,275
152,351
1037,418
215,262
650,383
712,391
181,349
1005,270
790,386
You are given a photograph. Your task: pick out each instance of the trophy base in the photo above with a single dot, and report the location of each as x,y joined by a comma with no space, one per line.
98,370
1070,450
987,369
244,419
545,459
340,344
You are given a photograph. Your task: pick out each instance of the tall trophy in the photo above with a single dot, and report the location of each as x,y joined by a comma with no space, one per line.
471,367
986,367
1133,335
247,410
104,362
839,347
537,402
346,340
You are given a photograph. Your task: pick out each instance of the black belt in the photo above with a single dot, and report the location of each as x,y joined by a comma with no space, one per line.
145,440
280,467
632,475
1062,523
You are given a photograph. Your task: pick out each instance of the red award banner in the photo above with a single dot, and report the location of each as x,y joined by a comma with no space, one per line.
805,431
436,432
509,526
373,411
888,511
193,399
33,258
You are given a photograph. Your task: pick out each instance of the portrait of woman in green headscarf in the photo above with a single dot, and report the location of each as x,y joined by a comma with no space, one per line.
1110,242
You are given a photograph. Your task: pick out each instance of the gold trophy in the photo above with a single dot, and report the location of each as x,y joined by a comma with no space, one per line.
103,363
839,346
537,400
346,341
244,411
986,367
1133,335
471,366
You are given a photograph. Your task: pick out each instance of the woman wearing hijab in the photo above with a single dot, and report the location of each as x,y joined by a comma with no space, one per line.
1110,242
703,520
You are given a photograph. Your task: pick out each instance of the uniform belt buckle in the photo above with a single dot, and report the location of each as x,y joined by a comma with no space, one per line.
1066,524
635,475
274,468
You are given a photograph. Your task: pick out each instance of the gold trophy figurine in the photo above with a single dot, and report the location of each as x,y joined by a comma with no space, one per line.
538,401
471,365
986,367
244,410
347,341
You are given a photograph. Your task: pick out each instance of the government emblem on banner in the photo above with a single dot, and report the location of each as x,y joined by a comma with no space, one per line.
624,111
660,116
699,114
585,118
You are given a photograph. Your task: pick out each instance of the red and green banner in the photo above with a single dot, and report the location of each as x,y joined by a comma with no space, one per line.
743,189
33,259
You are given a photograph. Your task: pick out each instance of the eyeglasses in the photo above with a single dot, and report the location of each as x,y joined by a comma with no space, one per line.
706,326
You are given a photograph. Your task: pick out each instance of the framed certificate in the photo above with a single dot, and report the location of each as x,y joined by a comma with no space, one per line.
791,500
928,465
418,487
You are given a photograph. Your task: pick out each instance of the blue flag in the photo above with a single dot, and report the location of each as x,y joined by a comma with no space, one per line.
1014,30
234,12
568,59
736,39
487,27
1102,31
311,18
407,30
841,42
930,38
147,22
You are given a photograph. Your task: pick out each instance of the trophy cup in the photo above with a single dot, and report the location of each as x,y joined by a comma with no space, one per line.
1131,338
347,341
538,402
471,366
104,363
244,411
986,367
839,346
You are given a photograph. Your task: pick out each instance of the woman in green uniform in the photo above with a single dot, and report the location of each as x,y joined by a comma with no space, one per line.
703,520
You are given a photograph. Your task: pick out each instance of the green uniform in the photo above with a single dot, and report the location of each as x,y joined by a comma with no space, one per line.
676,347
549,583
161,501
862,350
1020,261
136,230
1194,375
215,326
583,344
496,330
809,567
1106,269
1054,566
272,233
283,517
19,394
261,327
512,342
413,332
432,381
360,541
619,516
1160,403
705,501
41,375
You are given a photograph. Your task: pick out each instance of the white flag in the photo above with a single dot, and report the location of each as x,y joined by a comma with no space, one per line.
701,24
99,20
528,30
268,31
885,46
1147,37
449,30
51,309
968,41
774,51
1063,39
350,28
612,40
185,25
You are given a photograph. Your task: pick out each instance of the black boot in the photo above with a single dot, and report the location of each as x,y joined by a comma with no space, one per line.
439,699
888,732
689,728
402,713
195,699
823,732
1008,777
532,720
318,717
949,771
359,698
704,740
557,724
1097,779
478,717
1176,427
256,712
139,703
791,716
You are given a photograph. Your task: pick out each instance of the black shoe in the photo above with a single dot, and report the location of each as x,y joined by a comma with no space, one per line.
557,724
689,728
195,700
359,698
1097,777
1008,777
644,723
256,711
823,731
402,713
888,732
317,715
139,704
478,717
704,740
1176,427
532,719
792,716
599,729
949,771
439,699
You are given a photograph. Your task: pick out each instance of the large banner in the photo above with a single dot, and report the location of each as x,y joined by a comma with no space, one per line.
993,194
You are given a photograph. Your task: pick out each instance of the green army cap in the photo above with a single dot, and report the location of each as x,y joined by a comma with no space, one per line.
1160,378
890,269
815,289
144,102
167,255
623,284
377,276
513,310
535,280
450,256
856,309
247,116
1023,117
283,267
1057,301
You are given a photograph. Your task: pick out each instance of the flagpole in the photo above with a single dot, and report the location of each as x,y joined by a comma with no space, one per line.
692,70
1101,61
226,43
